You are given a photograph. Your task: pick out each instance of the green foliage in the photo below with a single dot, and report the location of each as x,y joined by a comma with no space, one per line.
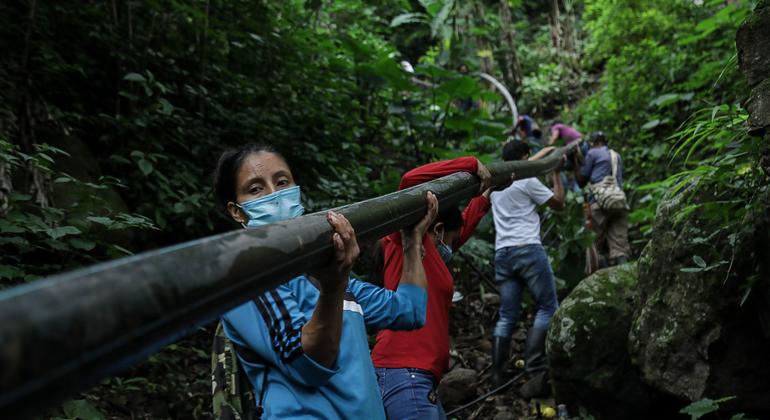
666,65
566,238
81,409
659,62
154,91
702,407
713,149
37,240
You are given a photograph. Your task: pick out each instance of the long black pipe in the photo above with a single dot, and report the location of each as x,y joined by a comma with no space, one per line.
60,334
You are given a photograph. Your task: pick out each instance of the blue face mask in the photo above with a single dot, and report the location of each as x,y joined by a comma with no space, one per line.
445,251
280,205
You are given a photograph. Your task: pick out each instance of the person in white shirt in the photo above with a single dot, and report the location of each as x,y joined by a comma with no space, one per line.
521,261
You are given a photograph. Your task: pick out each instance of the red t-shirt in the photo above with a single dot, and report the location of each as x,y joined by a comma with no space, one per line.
428,347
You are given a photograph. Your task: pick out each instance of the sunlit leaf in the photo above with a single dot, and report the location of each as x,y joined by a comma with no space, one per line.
407,18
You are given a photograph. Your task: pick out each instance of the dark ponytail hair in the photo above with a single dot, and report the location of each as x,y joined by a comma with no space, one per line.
229,164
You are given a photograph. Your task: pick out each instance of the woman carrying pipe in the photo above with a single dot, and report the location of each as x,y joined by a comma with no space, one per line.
303,345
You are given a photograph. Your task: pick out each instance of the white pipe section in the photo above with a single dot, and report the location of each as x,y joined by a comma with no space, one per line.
507,95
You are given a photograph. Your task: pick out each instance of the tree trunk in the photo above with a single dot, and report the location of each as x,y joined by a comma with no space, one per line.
41,186
484,50
568,27
512,69
554,21
569,35
5,187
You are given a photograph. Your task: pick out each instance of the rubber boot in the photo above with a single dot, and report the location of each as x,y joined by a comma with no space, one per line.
500,349
536,365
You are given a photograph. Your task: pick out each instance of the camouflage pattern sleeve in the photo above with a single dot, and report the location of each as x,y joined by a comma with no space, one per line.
232,394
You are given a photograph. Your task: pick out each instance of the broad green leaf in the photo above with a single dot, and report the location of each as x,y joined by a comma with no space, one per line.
83,244
439,24
145,166
9,272
8,227
44,157
82,409
56,233
432,6
106,221
699,261
407,18
165,106
57,245
134,77
650,125
670,98
702,407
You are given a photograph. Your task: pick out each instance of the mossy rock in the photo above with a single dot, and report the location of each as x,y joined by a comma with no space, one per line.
587,347
751,42
695,332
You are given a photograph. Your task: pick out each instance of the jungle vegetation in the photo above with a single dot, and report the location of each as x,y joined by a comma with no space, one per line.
111,114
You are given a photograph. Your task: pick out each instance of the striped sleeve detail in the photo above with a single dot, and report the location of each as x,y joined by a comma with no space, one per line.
285,337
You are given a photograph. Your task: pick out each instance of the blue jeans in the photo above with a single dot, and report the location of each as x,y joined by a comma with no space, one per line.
569,183
409,393
516,267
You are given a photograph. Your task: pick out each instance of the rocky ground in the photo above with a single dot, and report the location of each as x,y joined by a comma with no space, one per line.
472,320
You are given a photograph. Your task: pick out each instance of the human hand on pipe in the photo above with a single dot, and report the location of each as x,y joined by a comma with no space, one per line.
412,236
484,176
336,273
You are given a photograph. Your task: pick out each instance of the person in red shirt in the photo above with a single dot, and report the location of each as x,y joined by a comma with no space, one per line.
409,364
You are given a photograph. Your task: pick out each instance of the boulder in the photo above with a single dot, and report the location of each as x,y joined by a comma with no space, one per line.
752,40
457,386
587,348
703,331
758,105
752,43
696,333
